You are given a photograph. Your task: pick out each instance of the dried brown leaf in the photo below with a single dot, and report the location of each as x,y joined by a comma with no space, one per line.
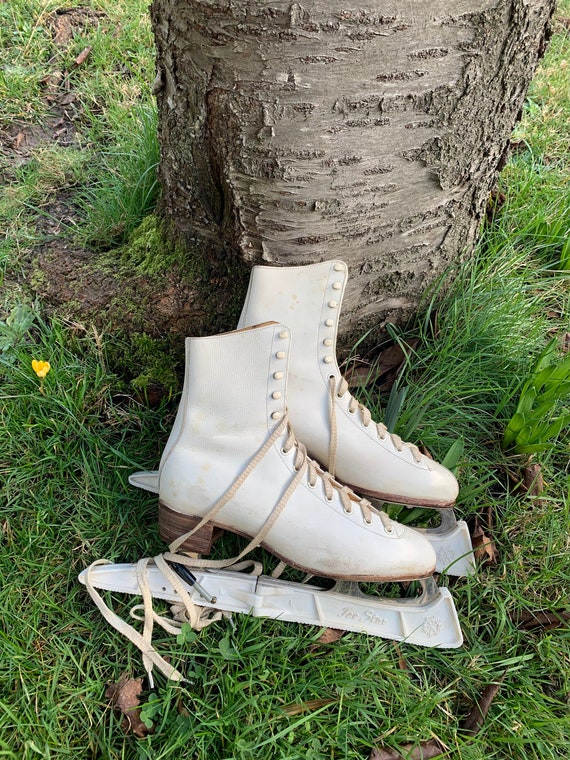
533,482
421,751
297,708
530,620
81,58
124,696
484,548
392,361
360,374
330,635
383,370
402,664
473,722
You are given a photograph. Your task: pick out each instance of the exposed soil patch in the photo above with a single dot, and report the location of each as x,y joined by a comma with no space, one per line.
65,22
18,144
73,282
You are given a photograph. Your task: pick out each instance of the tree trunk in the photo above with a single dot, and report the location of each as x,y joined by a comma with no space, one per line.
369,132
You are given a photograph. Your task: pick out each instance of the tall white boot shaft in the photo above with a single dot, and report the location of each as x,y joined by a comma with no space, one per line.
232,459
336,430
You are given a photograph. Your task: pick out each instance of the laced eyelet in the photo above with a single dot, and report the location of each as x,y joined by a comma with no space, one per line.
330,501
285,452
351,411
314,485
347,511
367,522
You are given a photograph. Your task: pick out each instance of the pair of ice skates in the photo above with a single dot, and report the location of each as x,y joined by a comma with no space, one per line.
269,443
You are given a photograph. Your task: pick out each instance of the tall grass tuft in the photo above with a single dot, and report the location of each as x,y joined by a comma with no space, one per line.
125,188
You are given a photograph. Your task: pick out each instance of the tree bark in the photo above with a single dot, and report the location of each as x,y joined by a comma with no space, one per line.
370,132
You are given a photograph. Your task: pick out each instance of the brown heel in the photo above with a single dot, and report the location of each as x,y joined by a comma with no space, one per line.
172,525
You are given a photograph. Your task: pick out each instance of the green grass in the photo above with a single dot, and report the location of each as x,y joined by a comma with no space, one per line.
106,172
65,455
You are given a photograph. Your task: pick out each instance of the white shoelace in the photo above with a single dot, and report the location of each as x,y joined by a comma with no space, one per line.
366,419
186,611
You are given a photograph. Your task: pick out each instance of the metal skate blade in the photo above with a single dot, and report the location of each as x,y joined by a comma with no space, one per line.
147,480
430,620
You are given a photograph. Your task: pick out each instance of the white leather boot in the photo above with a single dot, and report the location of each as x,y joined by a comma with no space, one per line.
338,431
232,462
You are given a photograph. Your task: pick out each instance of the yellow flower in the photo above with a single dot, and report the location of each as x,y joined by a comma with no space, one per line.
40,368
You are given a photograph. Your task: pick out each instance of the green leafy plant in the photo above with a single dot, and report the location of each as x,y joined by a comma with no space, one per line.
14,328
536,420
